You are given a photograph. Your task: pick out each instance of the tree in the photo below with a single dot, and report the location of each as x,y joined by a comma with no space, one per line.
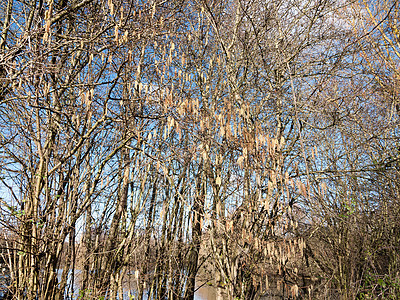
138,135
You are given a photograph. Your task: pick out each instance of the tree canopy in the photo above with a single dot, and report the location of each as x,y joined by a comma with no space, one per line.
148,147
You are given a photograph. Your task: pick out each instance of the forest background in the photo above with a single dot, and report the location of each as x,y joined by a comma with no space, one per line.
252,143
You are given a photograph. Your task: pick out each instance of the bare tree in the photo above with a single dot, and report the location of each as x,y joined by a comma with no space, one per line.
161,143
